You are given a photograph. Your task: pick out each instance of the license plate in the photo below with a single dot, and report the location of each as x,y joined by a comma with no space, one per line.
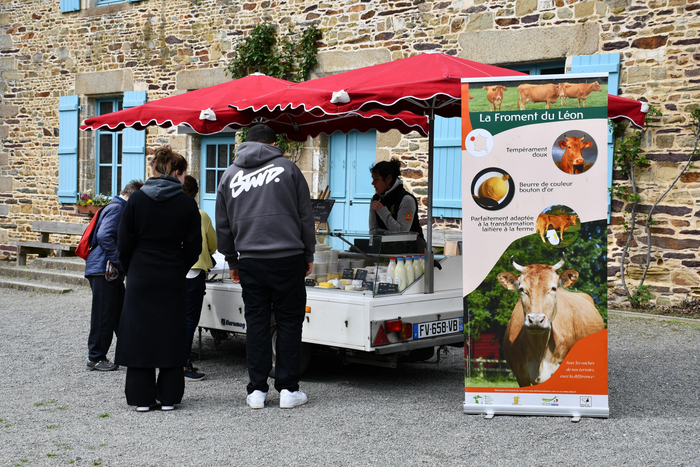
437,328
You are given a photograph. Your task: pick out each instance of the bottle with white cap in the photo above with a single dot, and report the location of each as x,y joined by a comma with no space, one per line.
410,276
390,270
417,267
400,274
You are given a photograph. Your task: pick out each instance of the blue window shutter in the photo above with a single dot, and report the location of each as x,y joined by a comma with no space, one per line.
447,168
134,150
70,5
597,64
68,123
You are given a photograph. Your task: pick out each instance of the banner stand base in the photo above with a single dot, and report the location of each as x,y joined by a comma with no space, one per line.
575,412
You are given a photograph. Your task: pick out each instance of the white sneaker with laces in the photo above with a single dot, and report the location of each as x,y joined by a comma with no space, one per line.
256,399
289,400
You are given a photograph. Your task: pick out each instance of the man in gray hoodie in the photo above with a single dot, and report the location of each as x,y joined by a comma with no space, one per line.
265,230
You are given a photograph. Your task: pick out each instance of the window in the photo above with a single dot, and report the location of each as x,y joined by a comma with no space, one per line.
108,2
108,170
546,68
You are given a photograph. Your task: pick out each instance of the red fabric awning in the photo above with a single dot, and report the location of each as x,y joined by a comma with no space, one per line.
200,109
414,84
620,108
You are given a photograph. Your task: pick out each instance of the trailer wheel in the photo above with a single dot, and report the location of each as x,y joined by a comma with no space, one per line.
305,353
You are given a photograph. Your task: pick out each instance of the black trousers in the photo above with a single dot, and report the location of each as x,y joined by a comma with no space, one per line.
142,389
196,289
107,304
273,284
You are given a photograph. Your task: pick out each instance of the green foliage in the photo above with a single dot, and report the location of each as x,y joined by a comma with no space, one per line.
641,296
291,58
490,305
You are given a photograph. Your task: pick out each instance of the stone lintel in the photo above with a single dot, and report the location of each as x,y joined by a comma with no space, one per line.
337,61
104,82
529,45
189,80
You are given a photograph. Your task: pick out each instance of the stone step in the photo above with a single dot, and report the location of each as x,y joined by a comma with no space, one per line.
69,263
56,277
33,286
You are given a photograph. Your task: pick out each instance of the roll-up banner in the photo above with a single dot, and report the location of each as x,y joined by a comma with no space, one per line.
534,191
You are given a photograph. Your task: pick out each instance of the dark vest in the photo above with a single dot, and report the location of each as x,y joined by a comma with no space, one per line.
392,201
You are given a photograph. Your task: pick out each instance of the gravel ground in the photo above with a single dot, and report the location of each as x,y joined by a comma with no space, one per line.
54,412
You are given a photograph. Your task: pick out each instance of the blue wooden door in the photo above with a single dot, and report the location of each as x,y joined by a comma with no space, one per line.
351,157
218,153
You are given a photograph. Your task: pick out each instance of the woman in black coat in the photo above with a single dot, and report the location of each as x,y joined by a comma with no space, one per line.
159,241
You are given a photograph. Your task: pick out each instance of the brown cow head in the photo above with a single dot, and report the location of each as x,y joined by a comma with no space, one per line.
573,150
596,87
538,284
573,218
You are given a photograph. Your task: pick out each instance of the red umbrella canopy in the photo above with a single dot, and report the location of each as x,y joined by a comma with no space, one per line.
623,108
200,109
206,111
411,84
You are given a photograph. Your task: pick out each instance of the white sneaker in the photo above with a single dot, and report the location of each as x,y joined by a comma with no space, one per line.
289,400
256,399
166,408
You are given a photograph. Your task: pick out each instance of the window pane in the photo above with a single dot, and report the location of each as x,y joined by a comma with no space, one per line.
120,105
223,156
211,156
105,108
105,181
211,181
119,148
232,154
221,174
105,156
119,182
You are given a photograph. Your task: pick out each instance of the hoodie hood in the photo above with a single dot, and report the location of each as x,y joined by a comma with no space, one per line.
162,188
397,183
252,154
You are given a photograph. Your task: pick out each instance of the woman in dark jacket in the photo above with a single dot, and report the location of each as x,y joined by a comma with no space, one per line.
159,241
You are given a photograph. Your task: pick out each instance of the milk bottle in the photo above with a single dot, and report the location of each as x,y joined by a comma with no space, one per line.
400,275
417,267
410,276
390,270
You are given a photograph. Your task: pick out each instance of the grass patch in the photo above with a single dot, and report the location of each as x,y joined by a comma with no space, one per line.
104,415
51,427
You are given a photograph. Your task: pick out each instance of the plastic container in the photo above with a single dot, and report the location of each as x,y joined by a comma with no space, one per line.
334,256
320,269
318,257
417,267
400,278
343,263
390,270
357,263
409,271
332,267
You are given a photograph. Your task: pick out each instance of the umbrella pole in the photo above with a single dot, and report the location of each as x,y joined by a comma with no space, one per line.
429,267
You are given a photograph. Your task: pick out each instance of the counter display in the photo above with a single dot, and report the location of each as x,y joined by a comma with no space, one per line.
374,323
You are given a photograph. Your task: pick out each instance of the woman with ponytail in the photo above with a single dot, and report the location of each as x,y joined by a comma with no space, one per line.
159,241
392,208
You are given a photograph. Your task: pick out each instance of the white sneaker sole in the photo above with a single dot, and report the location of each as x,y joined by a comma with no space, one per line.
291,406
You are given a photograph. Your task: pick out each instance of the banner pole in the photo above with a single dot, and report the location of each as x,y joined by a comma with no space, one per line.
429,267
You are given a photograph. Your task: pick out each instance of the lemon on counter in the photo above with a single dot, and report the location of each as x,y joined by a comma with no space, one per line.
494,188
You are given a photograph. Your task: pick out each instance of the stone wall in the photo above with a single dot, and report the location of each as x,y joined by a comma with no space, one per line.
167,47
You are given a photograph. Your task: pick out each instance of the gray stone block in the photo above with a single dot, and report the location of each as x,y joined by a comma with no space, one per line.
337,61
189,80
104,82
527,45
5,184
5,41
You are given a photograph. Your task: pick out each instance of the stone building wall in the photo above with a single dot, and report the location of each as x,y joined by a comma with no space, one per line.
167,47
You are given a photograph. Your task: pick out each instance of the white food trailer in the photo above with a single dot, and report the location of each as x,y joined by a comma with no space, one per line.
365,326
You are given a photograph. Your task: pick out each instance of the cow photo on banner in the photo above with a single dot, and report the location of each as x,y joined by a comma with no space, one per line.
534,190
